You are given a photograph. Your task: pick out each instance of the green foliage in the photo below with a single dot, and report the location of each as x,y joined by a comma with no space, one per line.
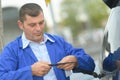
71,10
98,12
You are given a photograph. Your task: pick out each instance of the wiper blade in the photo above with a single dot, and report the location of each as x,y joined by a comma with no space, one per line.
61,63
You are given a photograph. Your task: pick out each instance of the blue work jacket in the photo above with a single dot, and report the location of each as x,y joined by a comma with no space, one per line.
15,62
109,64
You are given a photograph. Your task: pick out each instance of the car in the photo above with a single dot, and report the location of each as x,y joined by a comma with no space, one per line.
111,41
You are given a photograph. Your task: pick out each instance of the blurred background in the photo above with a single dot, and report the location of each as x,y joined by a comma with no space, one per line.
80,22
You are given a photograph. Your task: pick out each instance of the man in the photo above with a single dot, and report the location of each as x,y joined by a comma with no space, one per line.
33,55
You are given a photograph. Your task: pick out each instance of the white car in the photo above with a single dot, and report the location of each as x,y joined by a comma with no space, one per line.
111,43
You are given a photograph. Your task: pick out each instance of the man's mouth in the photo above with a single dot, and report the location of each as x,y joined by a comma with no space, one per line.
37,34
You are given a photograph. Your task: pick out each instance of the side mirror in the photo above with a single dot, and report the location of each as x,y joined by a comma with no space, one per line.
111,3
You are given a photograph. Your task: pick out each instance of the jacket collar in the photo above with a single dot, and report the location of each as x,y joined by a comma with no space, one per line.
26,42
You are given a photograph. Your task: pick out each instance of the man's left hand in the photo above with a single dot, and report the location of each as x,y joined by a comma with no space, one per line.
68,66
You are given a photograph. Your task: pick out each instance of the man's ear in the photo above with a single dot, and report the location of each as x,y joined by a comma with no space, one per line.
20,24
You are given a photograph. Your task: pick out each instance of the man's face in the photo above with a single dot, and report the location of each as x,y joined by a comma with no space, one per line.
33,27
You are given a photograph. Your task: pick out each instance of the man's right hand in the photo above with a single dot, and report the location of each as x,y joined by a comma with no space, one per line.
40,68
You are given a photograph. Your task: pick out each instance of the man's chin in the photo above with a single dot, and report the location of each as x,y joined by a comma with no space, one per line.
38,39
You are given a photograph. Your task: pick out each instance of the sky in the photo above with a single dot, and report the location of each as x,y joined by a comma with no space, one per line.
46,9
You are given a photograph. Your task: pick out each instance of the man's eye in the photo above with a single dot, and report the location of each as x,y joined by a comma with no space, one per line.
41,22
32,25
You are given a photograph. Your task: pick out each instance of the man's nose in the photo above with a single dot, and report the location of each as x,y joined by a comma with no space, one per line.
38,27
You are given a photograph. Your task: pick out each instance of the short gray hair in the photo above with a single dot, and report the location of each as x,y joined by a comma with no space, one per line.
31,9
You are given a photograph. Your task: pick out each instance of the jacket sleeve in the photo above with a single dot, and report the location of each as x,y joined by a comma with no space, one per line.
85,62
109,63
9,69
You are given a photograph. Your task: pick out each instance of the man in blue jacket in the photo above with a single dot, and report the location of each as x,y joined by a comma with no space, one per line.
34,54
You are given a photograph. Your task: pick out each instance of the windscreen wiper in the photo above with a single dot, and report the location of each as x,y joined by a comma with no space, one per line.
94,74
61,63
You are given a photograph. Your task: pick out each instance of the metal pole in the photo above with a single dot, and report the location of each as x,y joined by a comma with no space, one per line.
1,28
55,27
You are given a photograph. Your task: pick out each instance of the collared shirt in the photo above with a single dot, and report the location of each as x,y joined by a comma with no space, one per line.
41,53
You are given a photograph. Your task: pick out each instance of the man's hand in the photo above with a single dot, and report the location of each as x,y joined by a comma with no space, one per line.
40,68
68,66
